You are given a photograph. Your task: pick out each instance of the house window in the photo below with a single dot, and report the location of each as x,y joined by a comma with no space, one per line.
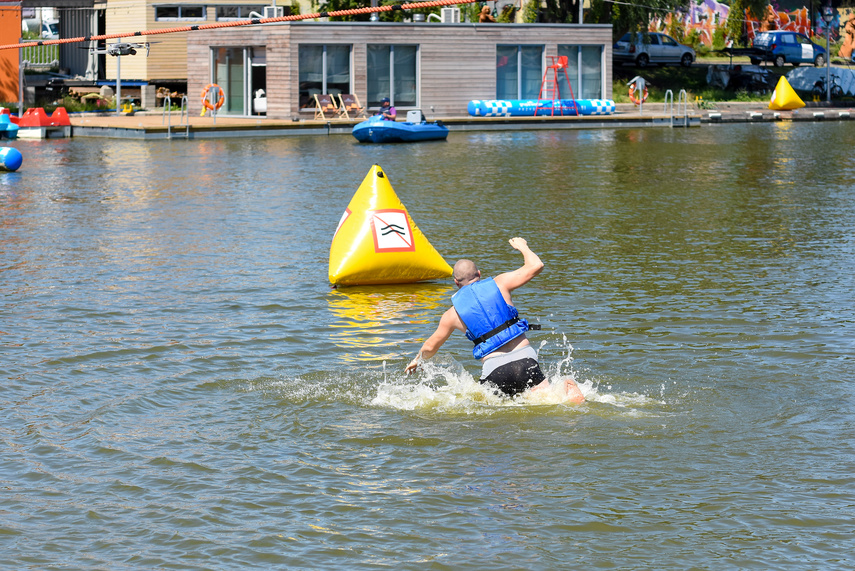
392,73
179,12
323,69
239,12
519,72
585,70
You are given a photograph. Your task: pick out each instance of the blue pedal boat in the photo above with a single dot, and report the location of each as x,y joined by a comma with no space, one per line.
377,130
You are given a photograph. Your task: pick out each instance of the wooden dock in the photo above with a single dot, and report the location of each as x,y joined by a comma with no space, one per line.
154,125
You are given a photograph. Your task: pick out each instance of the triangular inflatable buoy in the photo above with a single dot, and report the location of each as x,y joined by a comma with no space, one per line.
784,97
377,242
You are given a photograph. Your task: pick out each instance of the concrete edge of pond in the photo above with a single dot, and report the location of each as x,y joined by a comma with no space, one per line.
154,126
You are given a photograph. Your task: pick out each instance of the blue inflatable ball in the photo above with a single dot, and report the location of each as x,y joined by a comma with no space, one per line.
10,159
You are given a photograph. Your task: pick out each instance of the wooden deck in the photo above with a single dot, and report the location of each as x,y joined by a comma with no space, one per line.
156,126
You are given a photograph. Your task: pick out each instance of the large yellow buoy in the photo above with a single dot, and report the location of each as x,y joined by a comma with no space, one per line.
377,242
784,97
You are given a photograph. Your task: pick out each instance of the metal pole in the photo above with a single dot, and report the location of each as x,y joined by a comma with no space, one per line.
118,83
827,62
21,81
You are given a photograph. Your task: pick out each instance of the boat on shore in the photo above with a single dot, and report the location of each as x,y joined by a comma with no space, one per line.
414,129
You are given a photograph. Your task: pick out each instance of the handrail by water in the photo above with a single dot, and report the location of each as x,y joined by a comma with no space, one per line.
669,97
683,100
167,116
682,104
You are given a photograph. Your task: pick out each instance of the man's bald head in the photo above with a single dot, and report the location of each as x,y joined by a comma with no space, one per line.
465,272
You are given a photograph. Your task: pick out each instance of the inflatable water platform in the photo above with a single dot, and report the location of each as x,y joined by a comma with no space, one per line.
540,107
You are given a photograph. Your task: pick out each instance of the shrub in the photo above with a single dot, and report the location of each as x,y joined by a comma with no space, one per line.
529,13
508,14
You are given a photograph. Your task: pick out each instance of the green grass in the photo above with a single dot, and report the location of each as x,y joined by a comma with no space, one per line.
692,79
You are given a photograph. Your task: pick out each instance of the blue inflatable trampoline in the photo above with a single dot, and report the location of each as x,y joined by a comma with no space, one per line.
540,107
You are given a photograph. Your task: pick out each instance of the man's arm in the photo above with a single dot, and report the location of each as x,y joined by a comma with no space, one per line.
530,268
447,324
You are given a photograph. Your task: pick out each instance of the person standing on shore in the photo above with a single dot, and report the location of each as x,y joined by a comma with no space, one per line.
484,311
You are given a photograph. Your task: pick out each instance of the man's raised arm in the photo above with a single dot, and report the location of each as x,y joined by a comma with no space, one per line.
530,268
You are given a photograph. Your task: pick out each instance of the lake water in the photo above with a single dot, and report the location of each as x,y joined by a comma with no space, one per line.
181,389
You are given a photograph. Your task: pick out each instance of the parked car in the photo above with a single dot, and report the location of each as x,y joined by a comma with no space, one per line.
782,47
50,30
45,29
643,50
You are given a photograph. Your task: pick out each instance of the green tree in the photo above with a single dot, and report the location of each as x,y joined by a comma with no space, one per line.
391,16
561,11
735,23
635,15
630,16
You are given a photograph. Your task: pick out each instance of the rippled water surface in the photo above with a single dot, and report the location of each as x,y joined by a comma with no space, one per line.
181,389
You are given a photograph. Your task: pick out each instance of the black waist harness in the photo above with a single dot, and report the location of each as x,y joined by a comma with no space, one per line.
501,328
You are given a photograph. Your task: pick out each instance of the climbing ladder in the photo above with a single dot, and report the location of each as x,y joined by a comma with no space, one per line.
182,121
550,89
682,107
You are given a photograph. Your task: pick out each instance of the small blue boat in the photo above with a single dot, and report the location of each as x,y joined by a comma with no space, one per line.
8,130
377,130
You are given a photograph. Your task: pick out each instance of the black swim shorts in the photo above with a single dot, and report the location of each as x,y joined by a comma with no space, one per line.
516,376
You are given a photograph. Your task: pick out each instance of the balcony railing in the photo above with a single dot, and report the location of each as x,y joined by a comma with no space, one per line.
40,57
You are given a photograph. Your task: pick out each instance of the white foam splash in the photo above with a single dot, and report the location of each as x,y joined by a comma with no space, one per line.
445,386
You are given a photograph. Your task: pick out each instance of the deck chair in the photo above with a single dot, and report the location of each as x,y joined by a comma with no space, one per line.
350,106
326,106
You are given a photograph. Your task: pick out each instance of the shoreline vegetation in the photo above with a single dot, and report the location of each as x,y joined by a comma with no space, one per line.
694,81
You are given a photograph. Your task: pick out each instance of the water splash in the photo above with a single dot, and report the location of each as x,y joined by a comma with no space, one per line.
443,385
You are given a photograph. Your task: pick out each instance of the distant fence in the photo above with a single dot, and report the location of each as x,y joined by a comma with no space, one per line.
40,57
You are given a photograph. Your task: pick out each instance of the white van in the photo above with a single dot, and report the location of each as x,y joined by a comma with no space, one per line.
49,29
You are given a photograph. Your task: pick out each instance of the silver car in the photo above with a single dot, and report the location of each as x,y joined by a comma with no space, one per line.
653,48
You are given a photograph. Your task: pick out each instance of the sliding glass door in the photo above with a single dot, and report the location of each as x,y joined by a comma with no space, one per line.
240,72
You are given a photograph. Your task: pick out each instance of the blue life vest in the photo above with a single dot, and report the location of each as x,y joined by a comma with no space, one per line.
490,322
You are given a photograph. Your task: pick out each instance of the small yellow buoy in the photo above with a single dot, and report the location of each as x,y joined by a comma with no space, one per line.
784,97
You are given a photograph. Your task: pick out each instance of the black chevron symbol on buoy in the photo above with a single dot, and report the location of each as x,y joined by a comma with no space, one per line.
389,228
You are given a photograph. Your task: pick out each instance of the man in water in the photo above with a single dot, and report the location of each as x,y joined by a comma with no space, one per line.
386,110
483,309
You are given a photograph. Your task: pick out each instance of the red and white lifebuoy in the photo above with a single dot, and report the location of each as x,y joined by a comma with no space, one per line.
634,98
221,97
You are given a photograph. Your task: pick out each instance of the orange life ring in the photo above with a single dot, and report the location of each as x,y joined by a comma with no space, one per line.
632,96
221,97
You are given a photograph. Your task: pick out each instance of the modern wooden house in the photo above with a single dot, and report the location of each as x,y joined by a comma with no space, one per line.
166,61
435,67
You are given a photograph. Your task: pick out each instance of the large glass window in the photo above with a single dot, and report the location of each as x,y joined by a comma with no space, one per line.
180,12
239,12
323,69
585,70
393,73
519,72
